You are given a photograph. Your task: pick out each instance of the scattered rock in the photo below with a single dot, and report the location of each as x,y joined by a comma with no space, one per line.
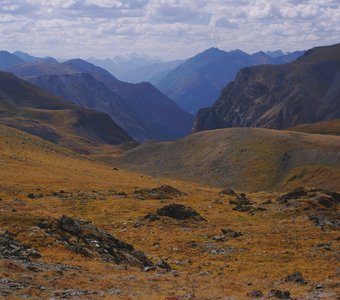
35,196
295,194
334,195
279,294
163,265
179,212
323,246
10,248
243,208
160,193
72,293
244,205
296,277
240,200
211,249
231,233
255,294
326,220
7,286
219,238
137,224
324,198
84,238
228,192
152,217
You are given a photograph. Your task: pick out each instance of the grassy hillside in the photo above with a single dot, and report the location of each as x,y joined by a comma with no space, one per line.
40,182
244,158
331,127
28,108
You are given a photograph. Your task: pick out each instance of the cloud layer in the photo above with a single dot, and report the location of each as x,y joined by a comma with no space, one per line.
165,28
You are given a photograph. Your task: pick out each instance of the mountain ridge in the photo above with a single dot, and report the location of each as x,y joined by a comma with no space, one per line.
199,80
28,108
157,116
279,96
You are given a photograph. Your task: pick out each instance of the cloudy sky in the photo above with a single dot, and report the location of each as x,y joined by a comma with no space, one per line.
165,28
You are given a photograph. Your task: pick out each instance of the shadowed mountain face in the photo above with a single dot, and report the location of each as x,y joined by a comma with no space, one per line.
233,157
304,91
28,108
143,111
198,81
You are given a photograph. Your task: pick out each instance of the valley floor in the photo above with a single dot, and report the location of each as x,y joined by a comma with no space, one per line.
245,248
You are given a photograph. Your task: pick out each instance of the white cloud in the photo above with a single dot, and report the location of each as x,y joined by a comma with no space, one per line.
170,28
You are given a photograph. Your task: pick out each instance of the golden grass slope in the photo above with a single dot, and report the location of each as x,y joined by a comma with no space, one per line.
331,127
275,243
249,159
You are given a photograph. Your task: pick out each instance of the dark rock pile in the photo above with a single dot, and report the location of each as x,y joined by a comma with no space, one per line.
175,211
10,248
296,277
255,294
242,203
279,294
228,192
316,197
321,205
325,220
162,192
84,238
230,233
179,212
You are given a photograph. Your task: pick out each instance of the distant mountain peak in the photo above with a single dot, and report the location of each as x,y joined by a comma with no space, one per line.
275,53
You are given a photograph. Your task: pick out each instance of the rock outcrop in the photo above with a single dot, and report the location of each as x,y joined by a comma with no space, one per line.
304,91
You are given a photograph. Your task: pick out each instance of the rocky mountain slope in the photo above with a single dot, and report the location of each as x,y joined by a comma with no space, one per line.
26,107
140,109
304,91
244,158
198,81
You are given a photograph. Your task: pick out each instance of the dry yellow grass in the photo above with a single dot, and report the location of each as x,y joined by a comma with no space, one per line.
275,243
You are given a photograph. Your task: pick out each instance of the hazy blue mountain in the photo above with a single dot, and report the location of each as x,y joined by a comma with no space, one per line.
150,73
199,80
8,60
26,57
279,96
120,65
275,53
143,111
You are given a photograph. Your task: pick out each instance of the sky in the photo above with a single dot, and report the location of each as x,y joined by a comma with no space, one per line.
170,29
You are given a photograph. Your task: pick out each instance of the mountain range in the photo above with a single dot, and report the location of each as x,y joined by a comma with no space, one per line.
304,91
28,108
197,82
125,67
140,109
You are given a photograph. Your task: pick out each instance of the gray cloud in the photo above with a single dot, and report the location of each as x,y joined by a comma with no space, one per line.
169,28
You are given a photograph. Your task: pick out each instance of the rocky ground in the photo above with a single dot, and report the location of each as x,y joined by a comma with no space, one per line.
73,228
228,245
